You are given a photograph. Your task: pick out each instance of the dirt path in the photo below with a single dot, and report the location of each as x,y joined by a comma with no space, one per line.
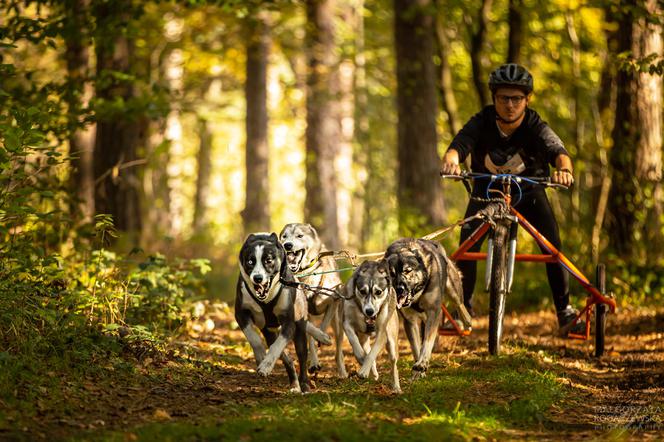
208,375
622,392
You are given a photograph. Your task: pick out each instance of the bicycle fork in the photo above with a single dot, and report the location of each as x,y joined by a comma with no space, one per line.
511,253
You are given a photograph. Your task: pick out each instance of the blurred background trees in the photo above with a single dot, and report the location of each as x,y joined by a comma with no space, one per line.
195,122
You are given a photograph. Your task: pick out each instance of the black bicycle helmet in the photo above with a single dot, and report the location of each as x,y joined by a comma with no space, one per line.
511,75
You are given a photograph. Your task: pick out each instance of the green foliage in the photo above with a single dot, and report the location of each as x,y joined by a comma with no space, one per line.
634,284
651,63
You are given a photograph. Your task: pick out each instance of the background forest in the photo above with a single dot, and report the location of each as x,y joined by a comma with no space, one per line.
142,141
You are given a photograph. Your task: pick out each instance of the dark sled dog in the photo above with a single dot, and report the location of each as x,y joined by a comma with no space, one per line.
422,276
277,309
303,246
370,310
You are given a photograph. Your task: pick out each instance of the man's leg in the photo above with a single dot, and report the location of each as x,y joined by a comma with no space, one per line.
535,207
468,269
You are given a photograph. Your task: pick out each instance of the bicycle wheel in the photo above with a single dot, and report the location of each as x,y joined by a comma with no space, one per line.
498,287
600,312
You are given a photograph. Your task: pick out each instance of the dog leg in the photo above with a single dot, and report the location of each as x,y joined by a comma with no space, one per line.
370,361
454,291
430,331
318,334
366,344
337,326
393,351
301,350
277,348
270,337
243,319
327,318
412,329
314,363
358,351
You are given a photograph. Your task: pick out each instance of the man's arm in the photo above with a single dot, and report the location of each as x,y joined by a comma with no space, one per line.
462,145
563,173
450,165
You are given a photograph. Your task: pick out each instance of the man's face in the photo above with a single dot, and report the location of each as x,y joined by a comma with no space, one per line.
510,103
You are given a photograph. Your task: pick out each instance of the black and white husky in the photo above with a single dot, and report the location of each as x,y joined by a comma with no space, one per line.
278,310
303,246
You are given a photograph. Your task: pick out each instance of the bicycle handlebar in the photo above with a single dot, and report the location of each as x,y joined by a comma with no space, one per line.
471,176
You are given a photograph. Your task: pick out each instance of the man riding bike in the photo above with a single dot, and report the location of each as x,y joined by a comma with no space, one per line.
509,137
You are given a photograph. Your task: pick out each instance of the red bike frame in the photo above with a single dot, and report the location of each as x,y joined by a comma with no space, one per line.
553,255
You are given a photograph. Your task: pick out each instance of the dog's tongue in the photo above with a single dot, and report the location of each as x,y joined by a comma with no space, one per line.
293,259
259,289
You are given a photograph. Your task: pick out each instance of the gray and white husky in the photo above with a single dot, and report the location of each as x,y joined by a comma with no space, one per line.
303,245
370,310
278,310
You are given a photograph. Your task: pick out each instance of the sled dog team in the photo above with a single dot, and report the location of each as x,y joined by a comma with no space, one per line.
411,281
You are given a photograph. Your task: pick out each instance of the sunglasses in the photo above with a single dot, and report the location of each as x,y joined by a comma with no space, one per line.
515,99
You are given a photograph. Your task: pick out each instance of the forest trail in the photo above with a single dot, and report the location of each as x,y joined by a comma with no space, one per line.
207,378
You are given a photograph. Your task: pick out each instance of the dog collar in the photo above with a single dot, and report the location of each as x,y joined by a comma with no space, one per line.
313,265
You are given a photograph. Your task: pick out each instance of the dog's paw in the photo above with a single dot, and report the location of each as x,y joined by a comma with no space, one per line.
306,389
295,390
364,372
265,368
325,339
396,390
342,373
421,366
314,368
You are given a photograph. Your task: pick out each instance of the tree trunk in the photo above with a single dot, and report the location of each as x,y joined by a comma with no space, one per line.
476,45
82,139
119,133
578,152
515,38
323,131
606,98
204,161
256,214
447,99
419,189
358,231
636,157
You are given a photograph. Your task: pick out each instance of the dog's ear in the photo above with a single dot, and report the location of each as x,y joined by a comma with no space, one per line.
316,247
274,237
383,267
392,261
313,231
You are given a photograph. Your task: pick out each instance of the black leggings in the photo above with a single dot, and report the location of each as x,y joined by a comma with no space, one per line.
535,207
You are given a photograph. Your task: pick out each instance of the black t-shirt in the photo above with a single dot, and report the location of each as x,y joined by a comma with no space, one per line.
536,143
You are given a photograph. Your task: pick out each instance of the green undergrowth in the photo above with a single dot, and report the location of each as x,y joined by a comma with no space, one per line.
481,399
